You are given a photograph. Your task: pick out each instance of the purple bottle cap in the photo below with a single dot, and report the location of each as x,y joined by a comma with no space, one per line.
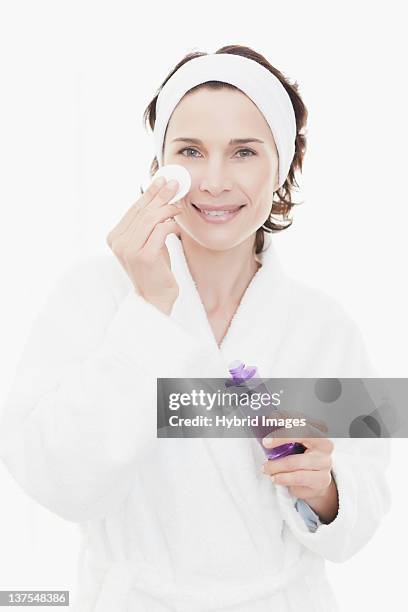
239,372
236,368
250,372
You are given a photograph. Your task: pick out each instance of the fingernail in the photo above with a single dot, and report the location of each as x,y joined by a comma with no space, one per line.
263,468
159,182
171,184
273,478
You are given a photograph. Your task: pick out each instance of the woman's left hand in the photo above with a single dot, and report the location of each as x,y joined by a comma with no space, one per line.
308,475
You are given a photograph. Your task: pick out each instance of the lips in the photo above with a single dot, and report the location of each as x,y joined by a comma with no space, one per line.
219,214
220,208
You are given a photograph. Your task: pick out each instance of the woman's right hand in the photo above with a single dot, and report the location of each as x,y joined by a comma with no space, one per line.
138,242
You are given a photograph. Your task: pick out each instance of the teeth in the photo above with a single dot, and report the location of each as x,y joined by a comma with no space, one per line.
217,213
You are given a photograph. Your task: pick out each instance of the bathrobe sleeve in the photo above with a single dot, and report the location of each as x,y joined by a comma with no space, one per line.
82,408
358,468
358,465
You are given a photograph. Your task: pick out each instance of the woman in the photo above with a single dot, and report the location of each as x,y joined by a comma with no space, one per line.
195,524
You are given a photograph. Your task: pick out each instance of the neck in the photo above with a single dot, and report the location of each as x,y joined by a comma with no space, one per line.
221,277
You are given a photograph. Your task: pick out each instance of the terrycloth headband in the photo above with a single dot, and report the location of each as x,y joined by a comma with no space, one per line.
256,81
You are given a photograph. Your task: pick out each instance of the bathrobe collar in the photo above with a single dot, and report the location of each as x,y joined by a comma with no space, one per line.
262,308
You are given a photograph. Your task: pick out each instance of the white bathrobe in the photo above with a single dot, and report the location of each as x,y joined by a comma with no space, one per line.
182,525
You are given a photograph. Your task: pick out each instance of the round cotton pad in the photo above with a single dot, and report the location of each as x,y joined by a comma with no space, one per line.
182,176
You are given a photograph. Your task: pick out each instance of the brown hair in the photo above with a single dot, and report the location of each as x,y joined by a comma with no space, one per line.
283,204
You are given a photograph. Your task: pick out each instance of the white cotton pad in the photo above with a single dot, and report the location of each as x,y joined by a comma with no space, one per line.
182,176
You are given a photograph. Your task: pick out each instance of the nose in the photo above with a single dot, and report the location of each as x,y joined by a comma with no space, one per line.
215,180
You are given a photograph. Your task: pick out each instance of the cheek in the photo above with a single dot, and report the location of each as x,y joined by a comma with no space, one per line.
258,183
260,195
261,211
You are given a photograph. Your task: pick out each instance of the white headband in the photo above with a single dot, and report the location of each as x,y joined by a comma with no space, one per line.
256,81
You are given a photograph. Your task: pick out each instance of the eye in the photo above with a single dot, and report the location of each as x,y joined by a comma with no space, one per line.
248,151
252,153
188,149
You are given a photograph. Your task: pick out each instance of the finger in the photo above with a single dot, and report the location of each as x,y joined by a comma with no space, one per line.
135,209
307,461
322,444
141,228
304,478
157,239
163,196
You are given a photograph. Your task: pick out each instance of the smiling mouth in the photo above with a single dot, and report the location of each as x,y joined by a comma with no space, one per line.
213,212
213,215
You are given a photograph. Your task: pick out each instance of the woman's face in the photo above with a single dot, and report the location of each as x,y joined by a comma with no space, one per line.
224,174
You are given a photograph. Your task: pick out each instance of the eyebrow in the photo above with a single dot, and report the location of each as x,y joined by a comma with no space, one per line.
231,142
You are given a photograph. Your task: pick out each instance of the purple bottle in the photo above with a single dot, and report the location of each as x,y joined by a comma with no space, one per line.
243,377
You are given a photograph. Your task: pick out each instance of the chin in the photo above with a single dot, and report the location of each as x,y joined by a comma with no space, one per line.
215,239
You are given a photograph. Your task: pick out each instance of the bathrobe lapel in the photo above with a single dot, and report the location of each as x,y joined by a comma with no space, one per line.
258,326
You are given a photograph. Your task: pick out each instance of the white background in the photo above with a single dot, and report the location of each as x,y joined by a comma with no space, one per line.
76,78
